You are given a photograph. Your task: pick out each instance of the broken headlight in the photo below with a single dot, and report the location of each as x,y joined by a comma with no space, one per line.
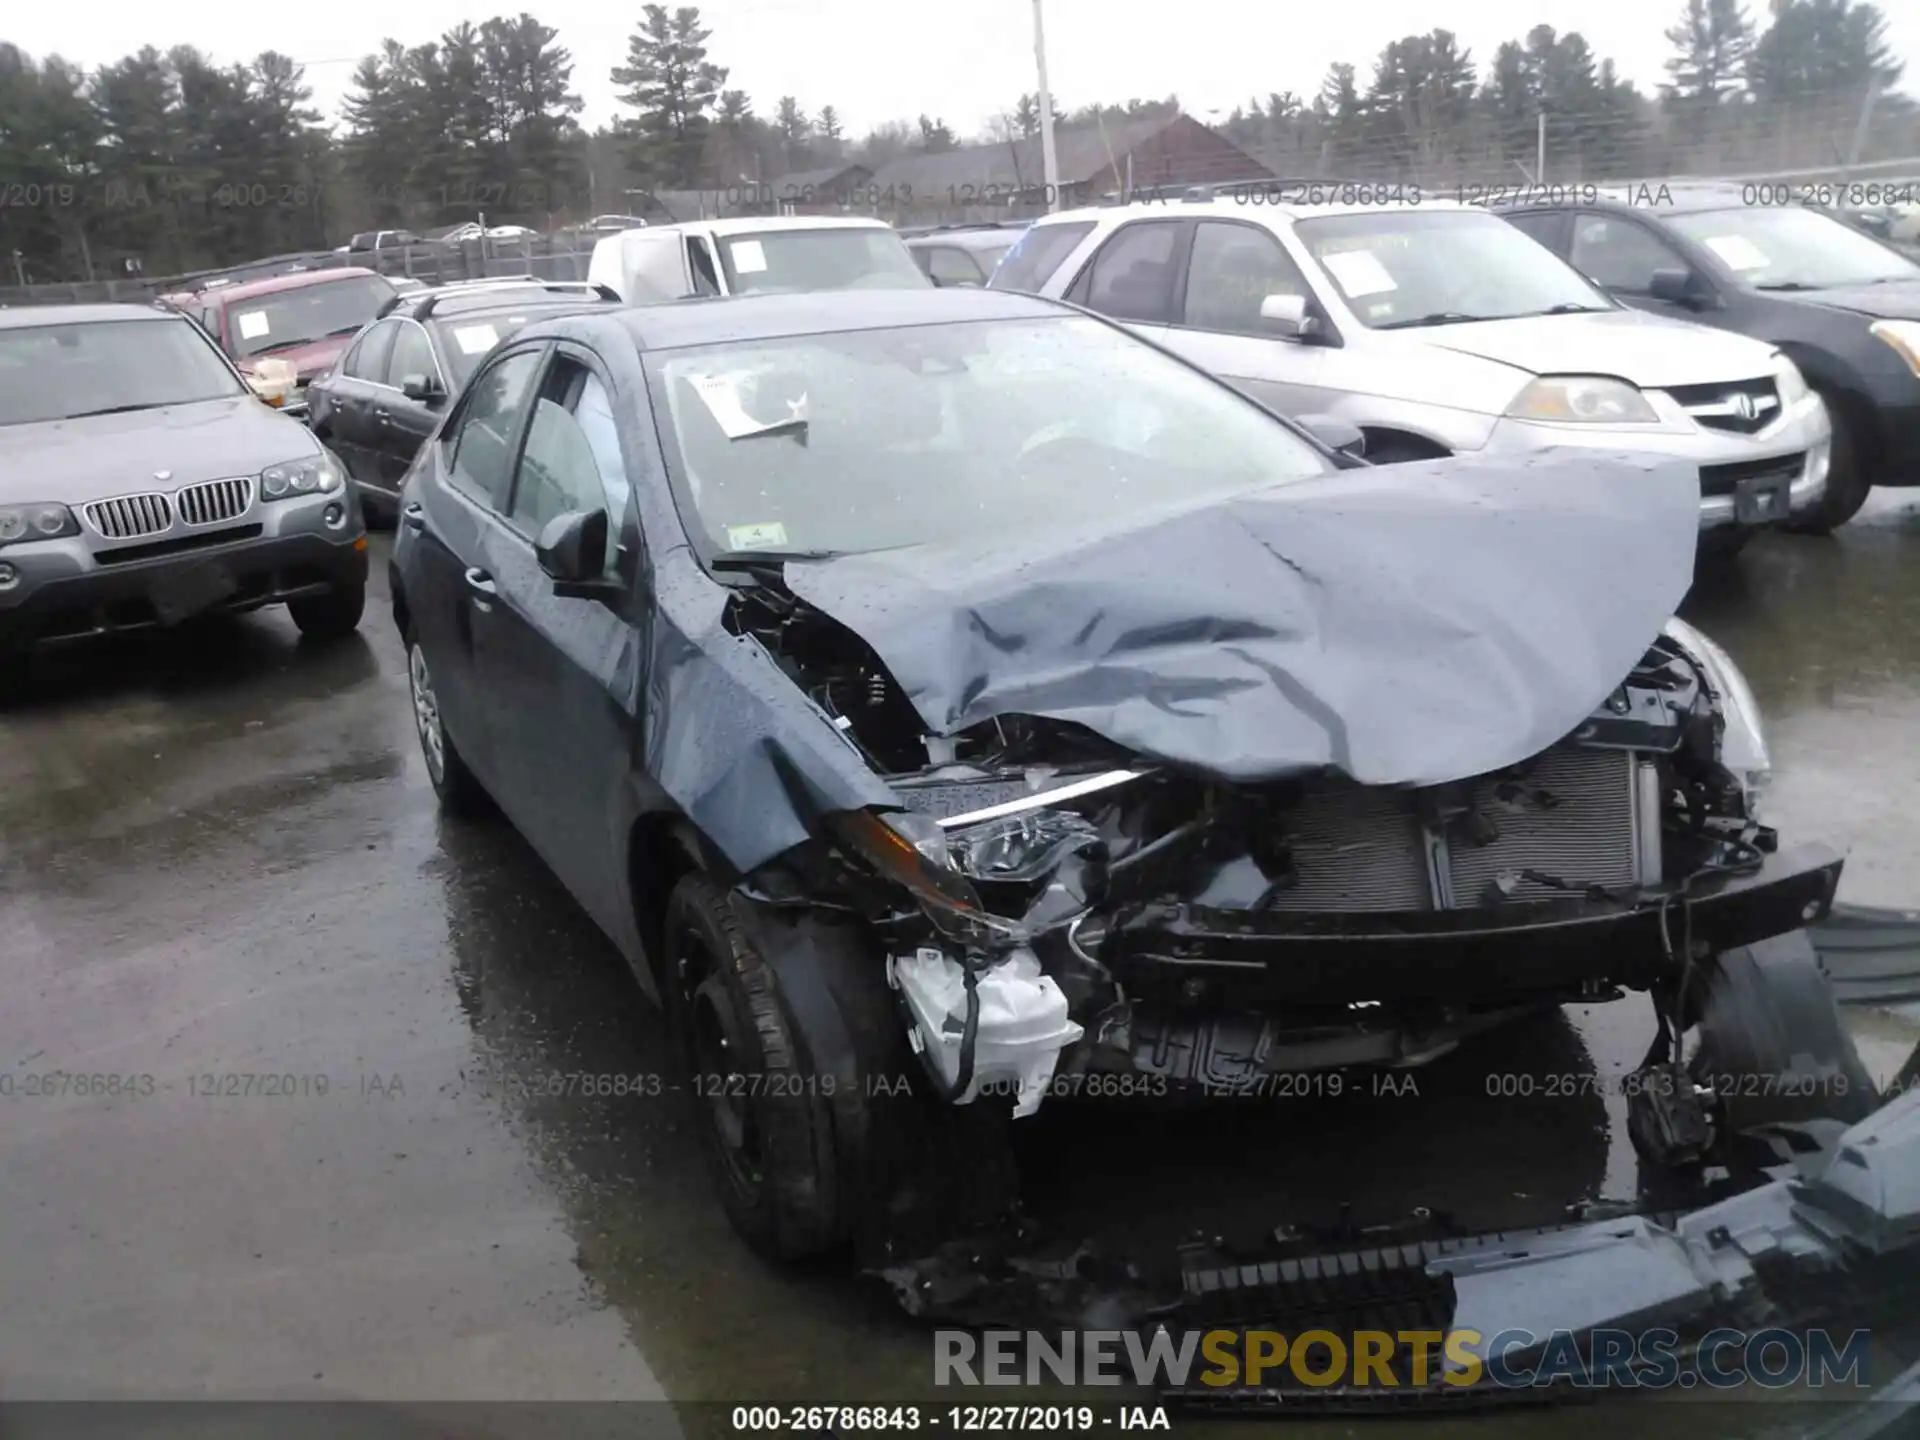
1743,740
1020,849
911,850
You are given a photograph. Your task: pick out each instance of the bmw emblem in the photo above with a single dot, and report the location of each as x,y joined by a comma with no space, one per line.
163,475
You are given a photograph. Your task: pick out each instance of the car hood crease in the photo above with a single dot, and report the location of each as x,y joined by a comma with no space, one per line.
1411,624
1651,351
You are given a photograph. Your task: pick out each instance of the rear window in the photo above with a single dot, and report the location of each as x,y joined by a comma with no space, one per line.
1037,254
855,258
286,319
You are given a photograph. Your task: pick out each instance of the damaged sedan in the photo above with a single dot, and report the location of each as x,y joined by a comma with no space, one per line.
952,703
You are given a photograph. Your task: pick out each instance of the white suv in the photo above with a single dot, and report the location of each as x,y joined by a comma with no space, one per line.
1437,329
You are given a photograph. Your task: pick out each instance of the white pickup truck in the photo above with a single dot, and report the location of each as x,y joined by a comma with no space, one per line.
753,255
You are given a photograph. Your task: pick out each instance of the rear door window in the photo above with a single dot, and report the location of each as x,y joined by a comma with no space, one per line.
1132,276
1039,252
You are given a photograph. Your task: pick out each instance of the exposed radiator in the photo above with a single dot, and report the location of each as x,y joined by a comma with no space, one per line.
1571,815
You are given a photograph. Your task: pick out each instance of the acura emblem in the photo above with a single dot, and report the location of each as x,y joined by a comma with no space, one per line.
1743,406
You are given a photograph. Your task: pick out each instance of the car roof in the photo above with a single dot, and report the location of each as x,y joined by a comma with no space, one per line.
33,317
1673,197
757,225
995,239
494,302
719,319
253,289
1240,209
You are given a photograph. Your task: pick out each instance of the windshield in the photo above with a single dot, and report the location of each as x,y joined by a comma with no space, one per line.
299,317
1400,267
54,372
849,259
874,439
1789,247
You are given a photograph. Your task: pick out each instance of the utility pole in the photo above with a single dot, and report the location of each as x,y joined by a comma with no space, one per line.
1051,166
1540,151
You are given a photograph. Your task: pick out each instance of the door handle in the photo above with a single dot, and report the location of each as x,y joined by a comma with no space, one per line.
380,414
413,517
481,588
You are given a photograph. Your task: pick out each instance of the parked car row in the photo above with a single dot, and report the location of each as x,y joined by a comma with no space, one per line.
1443,329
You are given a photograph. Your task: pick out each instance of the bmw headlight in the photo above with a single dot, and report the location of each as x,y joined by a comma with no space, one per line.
1788,380
36,522
1582,400
315,475
1903,336
1743,742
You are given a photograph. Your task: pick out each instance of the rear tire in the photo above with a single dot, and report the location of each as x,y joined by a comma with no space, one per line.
332,616
765,1125
1399,452
1847,488
454,784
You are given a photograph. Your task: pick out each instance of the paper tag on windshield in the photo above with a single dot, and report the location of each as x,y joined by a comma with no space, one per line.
475,339
1359,273
771,536
722,396
1739,252
252,324
749,258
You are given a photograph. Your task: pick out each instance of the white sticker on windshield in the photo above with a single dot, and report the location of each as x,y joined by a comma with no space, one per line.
749,258
252,324
1739,252
1359,273
771,536
475,339
722,396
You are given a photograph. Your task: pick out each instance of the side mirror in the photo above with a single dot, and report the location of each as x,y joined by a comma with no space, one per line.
1679,287
421,388
572,552
1285,313
1341,436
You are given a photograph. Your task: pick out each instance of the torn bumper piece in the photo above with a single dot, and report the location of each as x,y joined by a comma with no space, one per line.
1266,959
1833,1239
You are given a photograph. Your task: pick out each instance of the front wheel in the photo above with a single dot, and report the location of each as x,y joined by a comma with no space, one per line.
761,1107
332,616
1847,486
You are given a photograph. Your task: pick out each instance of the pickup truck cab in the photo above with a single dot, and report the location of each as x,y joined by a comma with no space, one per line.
753,255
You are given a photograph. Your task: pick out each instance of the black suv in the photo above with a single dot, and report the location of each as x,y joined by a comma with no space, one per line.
1842,305
379,404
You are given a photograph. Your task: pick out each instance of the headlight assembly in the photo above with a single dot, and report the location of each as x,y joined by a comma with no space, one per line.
911,851
315,475
36,522
1743,742
1582,400
1903,336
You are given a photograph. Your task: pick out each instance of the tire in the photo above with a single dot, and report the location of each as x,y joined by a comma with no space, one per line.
1398,452
454,784
770,1142
332,616
1772,1042
1847,488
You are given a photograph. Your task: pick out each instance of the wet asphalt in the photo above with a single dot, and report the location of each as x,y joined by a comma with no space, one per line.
220,862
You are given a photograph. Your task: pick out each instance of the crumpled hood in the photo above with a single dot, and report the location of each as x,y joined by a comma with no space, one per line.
1650,351
1412,623
72,461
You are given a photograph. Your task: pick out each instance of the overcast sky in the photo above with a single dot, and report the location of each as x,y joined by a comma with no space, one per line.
878,60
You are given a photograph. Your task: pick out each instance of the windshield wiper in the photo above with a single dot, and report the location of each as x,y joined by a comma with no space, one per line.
113,410
282,345
1574,307
750,560
1438,317
343,330
1789,285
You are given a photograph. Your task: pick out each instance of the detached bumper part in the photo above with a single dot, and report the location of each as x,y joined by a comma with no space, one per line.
1018,1031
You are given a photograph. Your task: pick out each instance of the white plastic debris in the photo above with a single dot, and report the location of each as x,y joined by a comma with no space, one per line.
1023,1023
